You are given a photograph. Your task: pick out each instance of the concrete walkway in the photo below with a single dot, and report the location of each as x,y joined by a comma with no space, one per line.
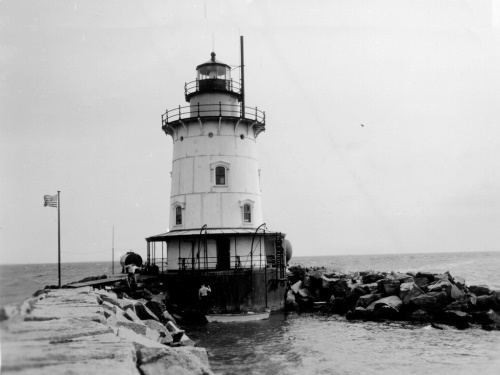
81,331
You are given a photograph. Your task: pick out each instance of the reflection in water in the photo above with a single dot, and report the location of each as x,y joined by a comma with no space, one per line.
316,344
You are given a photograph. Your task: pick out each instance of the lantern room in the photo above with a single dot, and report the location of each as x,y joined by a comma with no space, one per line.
213,69
213,76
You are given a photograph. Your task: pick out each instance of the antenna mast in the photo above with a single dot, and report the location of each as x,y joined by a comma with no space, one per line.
242,78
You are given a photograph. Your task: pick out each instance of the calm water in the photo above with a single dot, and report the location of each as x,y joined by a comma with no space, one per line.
20,281
320,344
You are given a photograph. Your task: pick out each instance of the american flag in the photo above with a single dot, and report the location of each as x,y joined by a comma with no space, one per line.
50,200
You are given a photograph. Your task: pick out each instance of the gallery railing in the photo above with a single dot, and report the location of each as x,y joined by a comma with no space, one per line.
213,110
223,263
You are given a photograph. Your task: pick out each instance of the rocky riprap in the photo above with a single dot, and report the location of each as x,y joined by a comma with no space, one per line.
438,299
85,331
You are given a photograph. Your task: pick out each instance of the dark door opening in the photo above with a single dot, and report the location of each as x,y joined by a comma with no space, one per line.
223,254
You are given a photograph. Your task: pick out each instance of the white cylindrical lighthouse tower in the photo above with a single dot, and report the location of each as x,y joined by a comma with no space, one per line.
217,233
215,173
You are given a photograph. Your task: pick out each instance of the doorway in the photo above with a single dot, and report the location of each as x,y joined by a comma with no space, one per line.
223,254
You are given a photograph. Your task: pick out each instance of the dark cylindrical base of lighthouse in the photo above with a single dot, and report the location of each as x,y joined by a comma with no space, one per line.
232,292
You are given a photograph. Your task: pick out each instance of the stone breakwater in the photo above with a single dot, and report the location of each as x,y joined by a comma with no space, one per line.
439,299
83,331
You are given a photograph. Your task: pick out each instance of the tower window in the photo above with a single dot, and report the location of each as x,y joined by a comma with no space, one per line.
220,176
247,213
178,215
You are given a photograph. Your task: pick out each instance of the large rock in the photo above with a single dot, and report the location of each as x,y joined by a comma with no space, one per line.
17,355
490,320
370,288
167,317
139,328
68,304
296,287
341,288
442,277
327,283
372,278
108,307
54,330
165,335
340,305
479,290
401,277
388,287
131,315
385,312
139,341
425,302
453,292
456,318
486,302
127,303
111,299
392,301
408,291
421,282
438,286
356,290
305,293
144,313
174,361
459,282
316,278
368,299
156,307
154,325
307,282
496,295
441,298
429,276
296,273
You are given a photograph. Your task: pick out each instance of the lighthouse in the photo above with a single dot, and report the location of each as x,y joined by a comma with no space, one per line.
217,232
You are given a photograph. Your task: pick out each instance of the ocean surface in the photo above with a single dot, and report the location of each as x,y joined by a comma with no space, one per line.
293,343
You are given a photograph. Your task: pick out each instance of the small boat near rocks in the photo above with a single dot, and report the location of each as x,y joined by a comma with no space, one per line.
245,317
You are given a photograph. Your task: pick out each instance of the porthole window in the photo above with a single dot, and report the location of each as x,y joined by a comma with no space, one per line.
242,136
178,215
220,176
210,135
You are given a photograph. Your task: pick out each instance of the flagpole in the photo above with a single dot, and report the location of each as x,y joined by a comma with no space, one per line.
59,237
113,253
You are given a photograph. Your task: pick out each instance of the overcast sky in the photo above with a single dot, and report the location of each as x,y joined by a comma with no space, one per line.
84,84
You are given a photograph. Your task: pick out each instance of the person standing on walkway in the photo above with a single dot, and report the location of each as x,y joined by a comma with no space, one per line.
131,275
203,296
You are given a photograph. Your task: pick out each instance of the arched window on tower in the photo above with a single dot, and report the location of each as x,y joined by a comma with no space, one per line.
220,176
247,213
178,215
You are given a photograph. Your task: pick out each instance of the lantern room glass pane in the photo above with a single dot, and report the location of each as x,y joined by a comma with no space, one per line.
214,72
